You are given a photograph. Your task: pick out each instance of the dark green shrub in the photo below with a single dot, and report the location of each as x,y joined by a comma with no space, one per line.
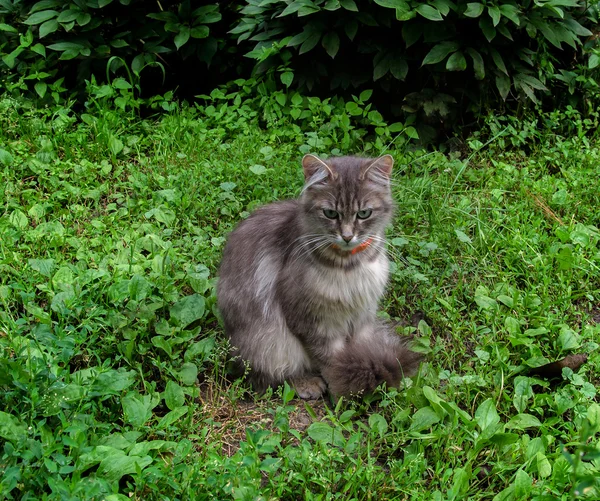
44,42
435,54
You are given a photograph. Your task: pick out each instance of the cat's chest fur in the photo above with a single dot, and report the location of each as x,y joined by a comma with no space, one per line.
355,289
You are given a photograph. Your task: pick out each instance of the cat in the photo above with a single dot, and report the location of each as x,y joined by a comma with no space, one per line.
300,281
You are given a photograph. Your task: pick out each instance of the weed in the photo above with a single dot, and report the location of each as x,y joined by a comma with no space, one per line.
112,361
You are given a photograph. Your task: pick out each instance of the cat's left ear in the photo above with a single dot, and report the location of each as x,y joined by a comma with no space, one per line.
311,164
382,166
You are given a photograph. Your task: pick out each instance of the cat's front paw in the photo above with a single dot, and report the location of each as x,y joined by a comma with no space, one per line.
309,387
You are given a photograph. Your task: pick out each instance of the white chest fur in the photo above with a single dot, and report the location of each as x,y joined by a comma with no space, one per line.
358,288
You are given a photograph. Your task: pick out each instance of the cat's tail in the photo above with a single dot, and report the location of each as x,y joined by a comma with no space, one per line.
364,364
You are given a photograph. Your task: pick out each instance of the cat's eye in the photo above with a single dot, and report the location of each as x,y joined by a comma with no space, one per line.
364,214
331,214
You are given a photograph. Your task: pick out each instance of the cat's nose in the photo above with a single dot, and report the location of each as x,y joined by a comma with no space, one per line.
347,238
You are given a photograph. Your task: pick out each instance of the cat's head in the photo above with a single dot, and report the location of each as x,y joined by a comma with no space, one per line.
346,201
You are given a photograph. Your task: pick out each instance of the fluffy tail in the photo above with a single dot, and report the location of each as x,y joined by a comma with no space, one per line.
363,365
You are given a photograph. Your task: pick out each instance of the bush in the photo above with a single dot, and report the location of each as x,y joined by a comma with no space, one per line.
442,61
432,54
47,42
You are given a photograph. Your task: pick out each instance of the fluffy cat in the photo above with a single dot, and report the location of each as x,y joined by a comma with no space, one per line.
300,281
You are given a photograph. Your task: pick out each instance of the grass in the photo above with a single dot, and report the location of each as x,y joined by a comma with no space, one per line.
112,370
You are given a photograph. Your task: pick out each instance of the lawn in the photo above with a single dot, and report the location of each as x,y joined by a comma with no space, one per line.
113,369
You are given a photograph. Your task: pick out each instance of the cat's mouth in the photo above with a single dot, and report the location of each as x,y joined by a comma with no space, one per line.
352,250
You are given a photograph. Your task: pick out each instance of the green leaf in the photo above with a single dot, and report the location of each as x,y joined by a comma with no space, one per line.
200,31
429,12
544,467
137,409
522,422
593,417
353,109
322,432
115,145
62,46
443,6
83,18
378,424
486,27
113,382
460,483
439,52
512,325
503,84
188,374
523,392
463,237
531,81
331,43
8,28
182,37
423,419
10,59
483,300
40,17
170,417
174,396
287,77
40,88
510,12
498,60
5,157
474,9
11,428
399,68
139,288
550,33
201,349
114,467
478,65
258,169
48,27
522,485
392,4
187,310
456,62
365,95
411,132
351,28
593,61
332,5
44,267
310,43
568,339
399,241
576,28
494,13
66,16
382,66
519,84
486,415
349,5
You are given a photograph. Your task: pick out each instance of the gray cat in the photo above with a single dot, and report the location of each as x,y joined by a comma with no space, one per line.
300,282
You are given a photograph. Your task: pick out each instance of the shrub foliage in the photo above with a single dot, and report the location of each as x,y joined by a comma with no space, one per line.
434,57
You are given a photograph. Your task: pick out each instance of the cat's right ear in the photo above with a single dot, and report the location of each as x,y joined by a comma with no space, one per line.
311,164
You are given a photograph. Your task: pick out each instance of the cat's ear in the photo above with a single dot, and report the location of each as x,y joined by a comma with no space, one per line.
381,166
311,164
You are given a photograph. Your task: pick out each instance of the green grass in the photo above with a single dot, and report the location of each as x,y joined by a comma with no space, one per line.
112,370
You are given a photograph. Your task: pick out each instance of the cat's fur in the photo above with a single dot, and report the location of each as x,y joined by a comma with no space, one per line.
297,303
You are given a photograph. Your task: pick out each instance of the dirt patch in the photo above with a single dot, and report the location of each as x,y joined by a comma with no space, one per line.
229,418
